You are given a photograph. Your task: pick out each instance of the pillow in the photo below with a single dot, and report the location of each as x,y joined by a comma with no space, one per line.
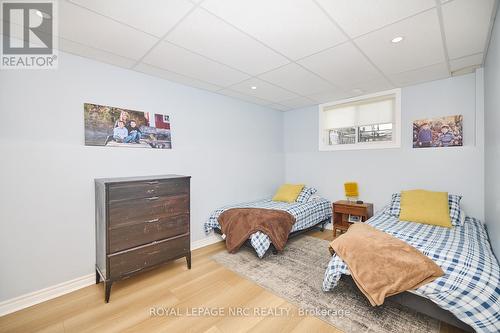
454,203
306,194
395,205
288,193
394,208
315,197
462,217
425,207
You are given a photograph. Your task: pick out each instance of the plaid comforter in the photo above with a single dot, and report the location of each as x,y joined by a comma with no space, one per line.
306,215
470,288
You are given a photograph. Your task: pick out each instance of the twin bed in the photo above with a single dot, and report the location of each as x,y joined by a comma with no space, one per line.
469,290
317,211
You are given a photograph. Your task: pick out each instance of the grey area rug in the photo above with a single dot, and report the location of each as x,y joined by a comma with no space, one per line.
297,276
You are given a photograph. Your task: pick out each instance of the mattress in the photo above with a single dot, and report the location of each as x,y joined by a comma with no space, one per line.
470,287
306,215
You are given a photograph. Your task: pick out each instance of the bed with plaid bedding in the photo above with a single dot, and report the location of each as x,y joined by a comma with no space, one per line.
306,215
470,288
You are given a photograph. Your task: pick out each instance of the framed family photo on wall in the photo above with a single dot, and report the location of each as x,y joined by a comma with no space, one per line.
117,127
438,132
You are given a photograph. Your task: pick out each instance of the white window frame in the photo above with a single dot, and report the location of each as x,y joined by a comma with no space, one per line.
396,133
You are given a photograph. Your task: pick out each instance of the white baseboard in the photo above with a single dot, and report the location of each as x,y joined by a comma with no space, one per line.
39,296
212,239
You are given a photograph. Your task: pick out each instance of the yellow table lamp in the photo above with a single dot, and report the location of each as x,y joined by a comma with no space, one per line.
351,191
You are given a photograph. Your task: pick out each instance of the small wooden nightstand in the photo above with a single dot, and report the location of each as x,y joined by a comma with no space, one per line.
343,208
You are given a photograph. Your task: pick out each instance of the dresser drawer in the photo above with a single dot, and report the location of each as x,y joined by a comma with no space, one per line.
126,212
145,189
136,259
126,236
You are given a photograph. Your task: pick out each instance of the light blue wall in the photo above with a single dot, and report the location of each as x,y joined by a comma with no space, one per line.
492,138
233,150
382,172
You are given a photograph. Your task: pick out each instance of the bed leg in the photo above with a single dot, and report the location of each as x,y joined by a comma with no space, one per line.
322,227
273,250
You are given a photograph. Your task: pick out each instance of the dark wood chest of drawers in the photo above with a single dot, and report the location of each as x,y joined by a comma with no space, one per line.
141,223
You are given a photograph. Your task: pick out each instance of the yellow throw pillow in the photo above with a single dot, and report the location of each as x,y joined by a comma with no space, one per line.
425,207
288,192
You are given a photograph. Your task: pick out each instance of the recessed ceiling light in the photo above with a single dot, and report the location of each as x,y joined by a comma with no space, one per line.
253,87
398,39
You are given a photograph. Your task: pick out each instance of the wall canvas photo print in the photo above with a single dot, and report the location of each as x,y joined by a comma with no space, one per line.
116,127
438,132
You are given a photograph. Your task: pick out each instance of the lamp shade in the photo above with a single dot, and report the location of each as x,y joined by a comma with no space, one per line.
351,189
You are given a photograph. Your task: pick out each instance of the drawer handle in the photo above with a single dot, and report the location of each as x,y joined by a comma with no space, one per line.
154,182
152,221
153,198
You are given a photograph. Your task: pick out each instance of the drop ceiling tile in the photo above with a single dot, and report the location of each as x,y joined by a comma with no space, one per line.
298,102
96,54
464,71
358,17
342,65
205,34
329,96
422,45
85,27
164,74
370,86
295,28
467,61
466,26
264,90
429,73
156,17
244,97
184,62
278,107
297,79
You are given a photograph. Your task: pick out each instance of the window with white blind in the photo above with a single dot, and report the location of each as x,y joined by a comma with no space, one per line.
371,121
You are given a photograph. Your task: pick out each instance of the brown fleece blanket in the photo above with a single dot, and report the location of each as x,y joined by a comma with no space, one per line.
239,223
382,265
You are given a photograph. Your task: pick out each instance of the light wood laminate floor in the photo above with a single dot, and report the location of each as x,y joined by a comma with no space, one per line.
206,285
